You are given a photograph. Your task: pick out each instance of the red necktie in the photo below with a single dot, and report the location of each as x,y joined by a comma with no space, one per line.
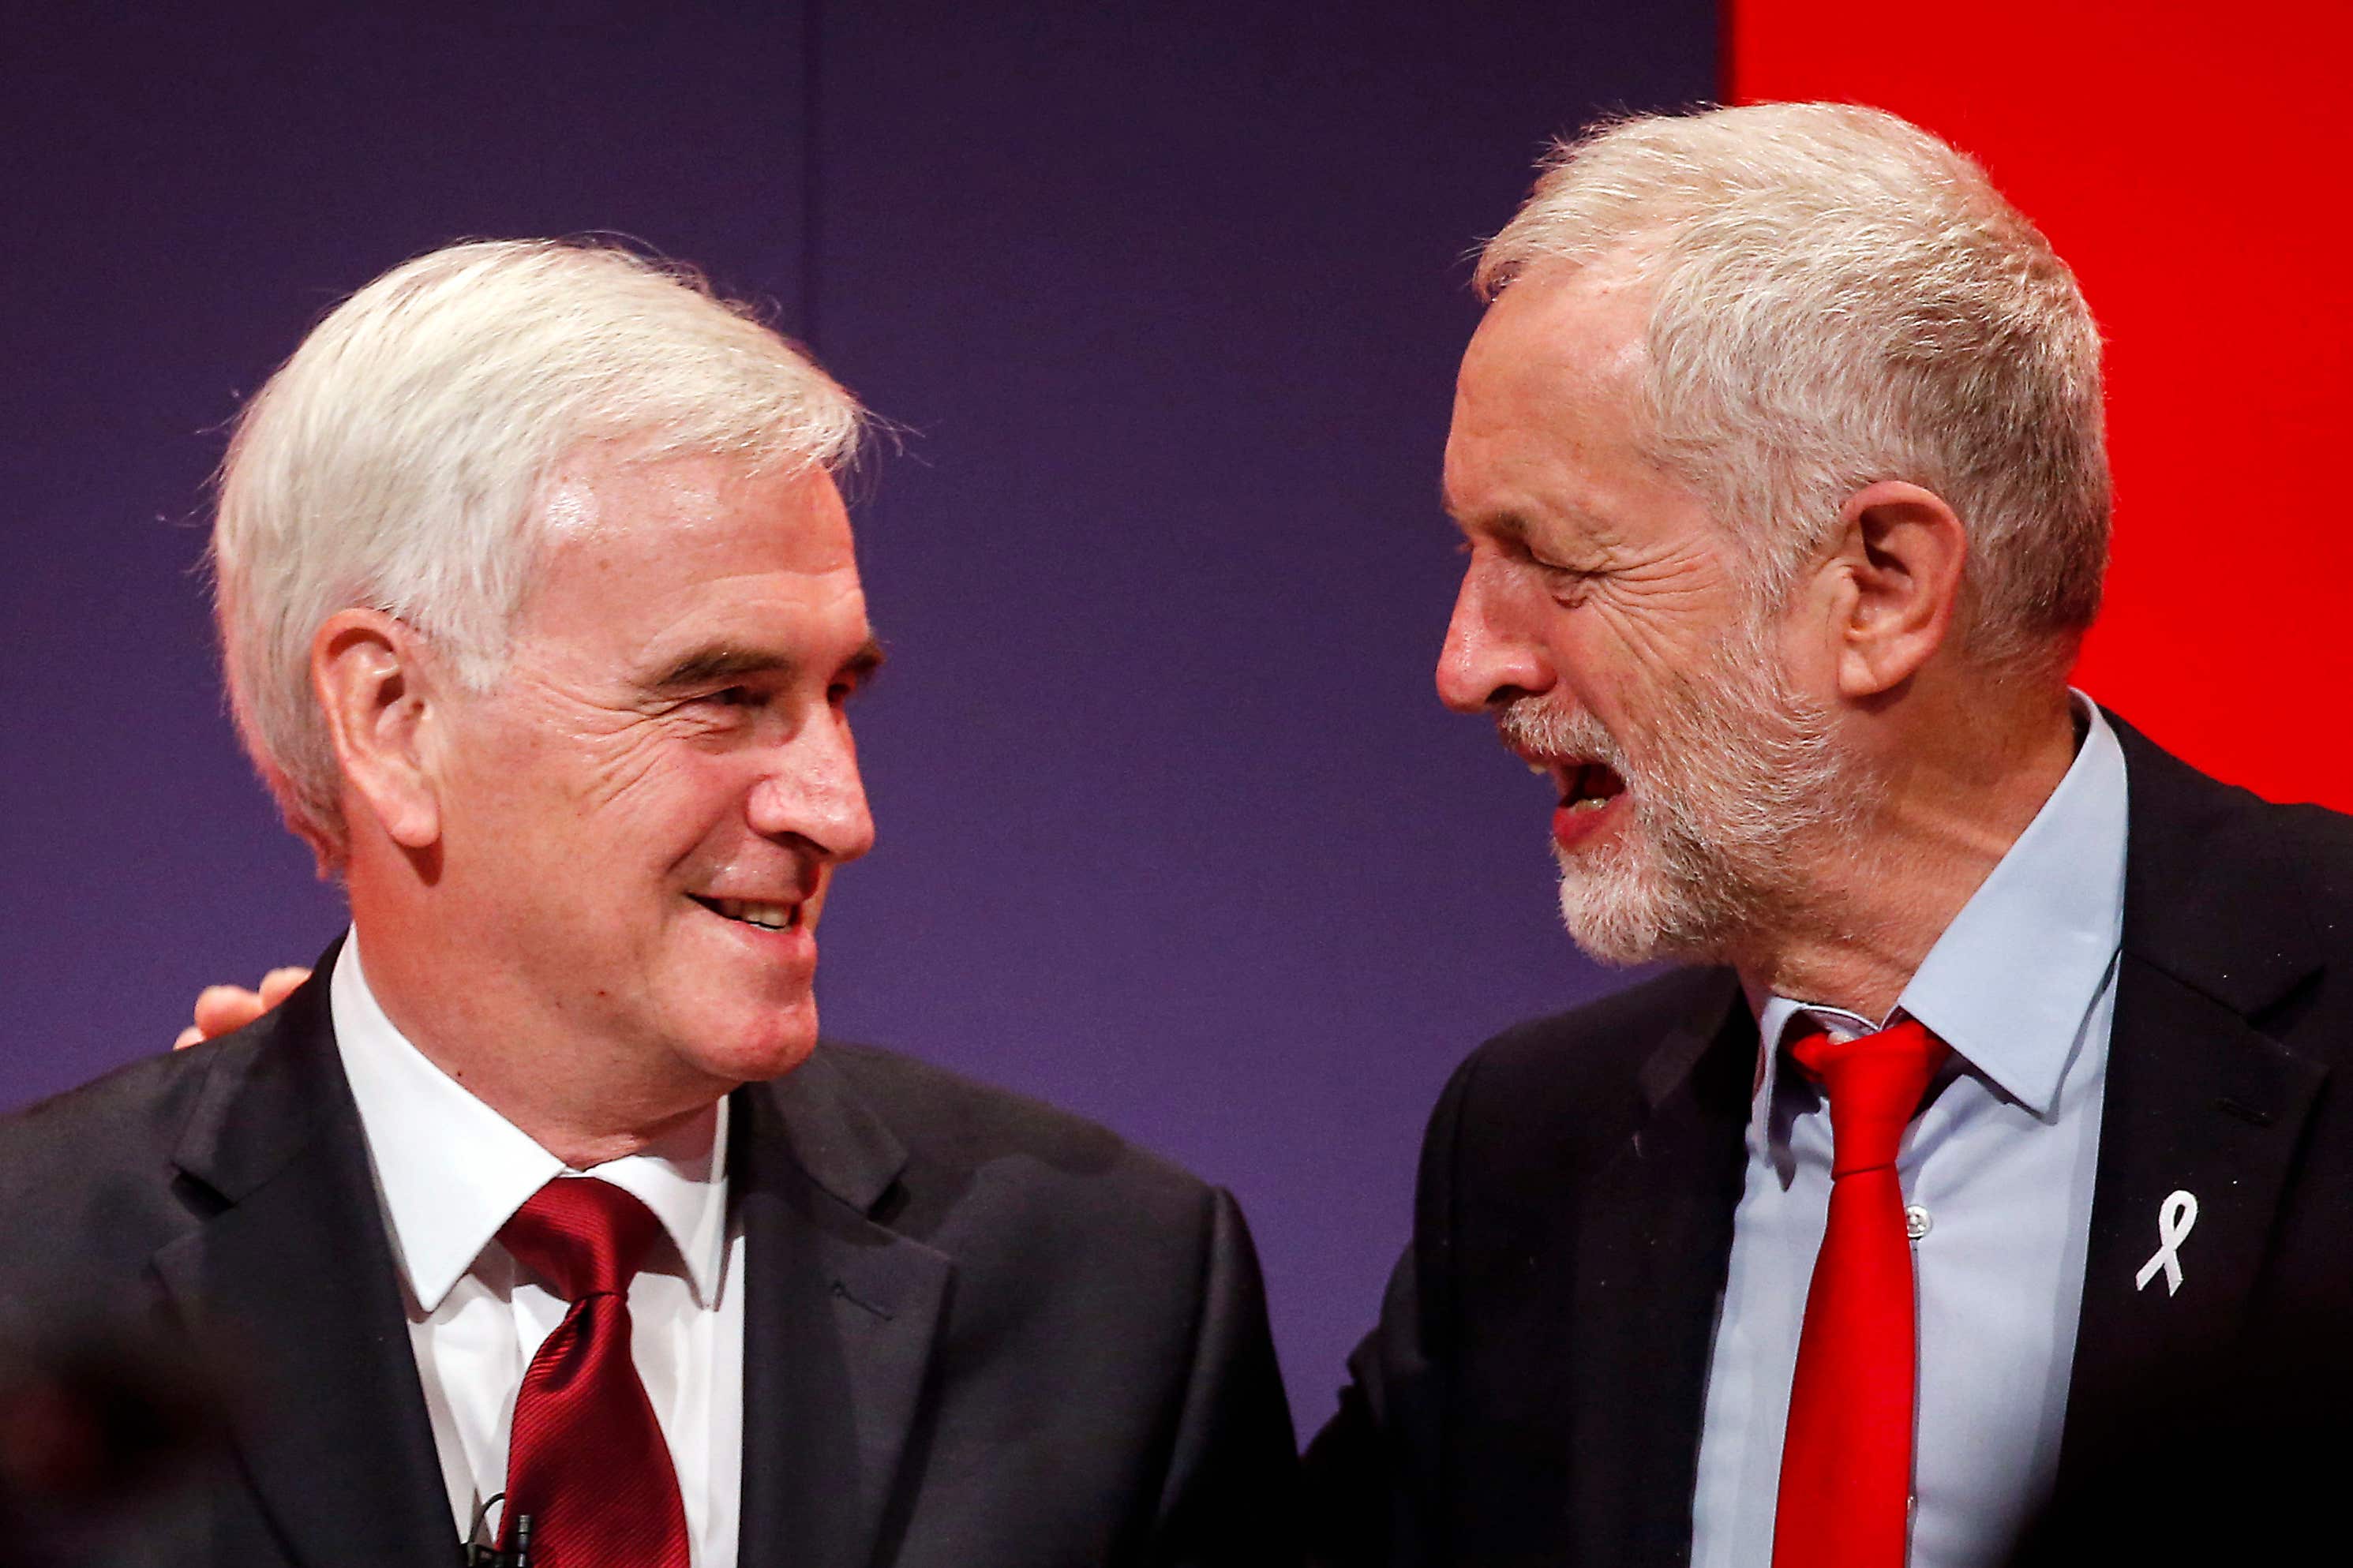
587,1461
1846,1466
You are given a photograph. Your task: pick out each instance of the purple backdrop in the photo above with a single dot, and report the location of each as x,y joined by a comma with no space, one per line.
1173,831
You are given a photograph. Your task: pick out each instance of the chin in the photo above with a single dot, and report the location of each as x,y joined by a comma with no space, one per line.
748,1050
1606,932
1620,910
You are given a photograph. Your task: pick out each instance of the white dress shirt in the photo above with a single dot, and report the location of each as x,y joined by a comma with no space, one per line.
1996,1174
449,1172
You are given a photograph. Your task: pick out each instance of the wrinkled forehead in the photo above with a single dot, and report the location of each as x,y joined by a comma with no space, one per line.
1558,365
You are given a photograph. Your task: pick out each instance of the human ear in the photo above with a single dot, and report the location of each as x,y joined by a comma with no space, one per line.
374,683
1897,569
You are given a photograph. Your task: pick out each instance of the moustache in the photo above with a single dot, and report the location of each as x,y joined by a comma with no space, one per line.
1526,726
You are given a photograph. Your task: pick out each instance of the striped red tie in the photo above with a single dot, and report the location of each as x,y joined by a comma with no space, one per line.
587,1463
1846,1465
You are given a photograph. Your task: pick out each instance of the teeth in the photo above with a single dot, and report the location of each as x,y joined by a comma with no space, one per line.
767,917
1589,802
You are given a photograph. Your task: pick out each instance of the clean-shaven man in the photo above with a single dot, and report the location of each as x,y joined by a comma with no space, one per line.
540,1211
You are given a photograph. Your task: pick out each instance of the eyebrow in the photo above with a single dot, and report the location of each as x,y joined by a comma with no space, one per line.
724,662
1510,524
1464,517
1513,524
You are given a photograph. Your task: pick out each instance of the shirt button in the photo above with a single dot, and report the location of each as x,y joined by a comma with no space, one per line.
1916,1221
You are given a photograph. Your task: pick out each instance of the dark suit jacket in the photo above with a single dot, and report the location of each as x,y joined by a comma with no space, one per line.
978,1331
1533,1392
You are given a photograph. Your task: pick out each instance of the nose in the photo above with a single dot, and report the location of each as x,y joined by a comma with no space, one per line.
1488,655
811,790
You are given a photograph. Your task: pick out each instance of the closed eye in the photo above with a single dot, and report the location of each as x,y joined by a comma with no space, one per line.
1549,568
1569,585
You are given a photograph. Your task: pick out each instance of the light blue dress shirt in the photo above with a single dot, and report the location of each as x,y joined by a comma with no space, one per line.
1997,1173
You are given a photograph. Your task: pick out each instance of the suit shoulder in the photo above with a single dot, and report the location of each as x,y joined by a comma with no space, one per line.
2246,849
131,1115
1604,1041
2208,831
1021,1192
2324,839
949,1120
86,1178
1566,1084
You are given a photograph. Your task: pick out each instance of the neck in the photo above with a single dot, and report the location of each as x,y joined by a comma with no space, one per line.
584,1098
686,1136
1960,787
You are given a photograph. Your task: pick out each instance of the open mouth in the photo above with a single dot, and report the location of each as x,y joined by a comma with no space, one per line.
1588,795
767,916
1587,786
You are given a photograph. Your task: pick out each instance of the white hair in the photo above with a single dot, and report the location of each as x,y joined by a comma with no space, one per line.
1837,297
395,460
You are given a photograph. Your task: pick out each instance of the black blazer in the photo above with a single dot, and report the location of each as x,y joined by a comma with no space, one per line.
1534,1391
979,1332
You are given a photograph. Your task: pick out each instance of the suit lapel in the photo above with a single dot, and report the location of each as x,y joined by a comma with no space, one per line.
840,1316
1656,1223
294,1276
2200,1099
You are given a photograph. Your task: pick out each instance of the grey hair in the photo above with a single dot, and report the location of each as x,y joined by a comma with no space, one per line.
1837,297
396,461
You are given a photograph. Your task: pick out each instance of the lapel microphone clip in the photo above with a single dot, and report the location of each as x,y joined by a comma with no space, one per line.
482,1553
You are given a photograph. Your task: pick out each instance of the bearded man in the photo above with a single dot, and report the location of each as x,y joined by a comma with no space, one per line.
1979,1139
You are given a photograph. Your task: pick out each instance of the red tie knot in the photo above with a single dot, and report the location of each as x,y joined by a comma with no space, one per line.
582,1237
1874,1083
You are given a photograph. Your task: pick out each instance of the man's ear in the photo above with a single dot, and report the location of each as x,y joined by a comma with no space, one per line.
1895,579
376,684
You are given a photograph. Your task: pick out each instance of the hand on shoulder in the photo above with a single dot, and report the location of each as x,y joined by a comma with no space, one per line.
222,1008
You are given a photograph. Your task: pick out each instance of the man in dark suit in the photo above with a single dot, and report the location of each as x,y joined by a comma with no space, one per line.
1983,1151
540,1212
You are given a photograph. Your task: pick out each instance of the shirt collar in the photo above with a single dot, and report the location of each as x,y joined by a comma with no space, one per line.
451,1171
2012,981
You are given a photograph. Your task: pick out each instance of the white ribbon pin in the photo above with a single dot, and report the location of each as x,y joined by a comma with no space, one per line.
2174,1218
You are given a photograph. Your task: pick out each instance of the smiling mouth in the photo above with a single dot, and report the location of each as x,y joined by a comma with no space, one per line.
757,913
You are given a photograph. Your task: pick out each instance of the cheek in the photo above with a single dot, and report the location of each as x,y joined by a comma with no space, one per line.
1604,669
1641,645
594,810
620,770
501,795
631,775
680,806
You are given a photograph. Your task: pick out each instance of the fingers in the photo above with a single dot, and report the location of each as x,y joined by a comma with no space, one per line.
220,1008
279,984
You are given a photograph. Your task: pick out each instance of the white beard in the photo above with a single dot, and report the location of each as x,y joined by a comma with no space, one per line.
1728,774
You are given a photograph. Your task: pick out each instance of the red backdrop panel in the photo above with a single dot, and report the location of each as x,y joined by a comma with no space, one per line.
2191,162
